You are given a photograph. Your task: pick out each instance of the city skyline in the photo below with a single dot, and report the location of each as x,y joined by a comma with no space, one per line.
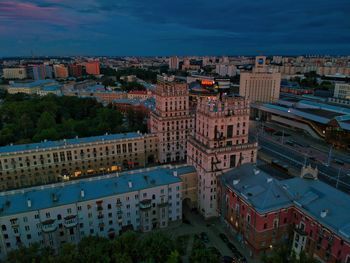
64,28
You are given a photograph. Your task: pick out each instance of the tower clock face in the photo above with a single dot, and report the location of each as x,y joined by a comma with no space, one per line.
260,61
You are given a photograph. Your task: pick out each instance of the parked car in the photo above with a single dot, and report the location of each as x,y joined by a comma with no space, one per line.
223,237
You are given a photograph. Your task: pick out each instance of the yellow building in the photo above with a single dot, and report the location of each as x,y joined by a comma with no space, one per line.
54,161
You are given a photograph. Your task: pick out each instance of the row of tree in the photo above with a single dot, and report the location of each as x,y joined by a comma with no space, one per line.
283,254
311,81
144,74
154,247
25,118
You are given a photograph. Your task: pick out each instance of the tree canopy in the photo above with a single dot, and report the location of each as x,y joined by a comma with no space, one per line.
26,119
283,254
155,247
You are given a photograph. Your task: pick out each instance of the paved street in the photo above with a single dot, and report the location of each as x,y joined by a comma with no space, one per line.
213,228
334,175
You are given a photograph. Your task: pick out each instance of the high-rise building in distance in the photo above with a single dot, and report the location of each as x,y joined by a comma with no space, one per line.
260,85
173,63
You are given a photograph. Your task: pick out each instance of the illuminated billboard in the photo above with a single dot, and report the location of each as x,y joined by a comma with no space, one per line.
207,82
260,61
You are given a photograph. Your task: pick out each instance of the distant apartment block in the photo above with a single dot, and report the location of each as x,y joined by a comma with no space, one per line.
40,71
53,161
60,71
15,73
342,90
174,63
75,70
260,85
107,206
92,67
226,70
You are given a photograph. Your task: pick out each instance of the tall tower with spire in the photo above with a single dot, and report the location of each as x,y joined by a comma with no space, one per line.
220,143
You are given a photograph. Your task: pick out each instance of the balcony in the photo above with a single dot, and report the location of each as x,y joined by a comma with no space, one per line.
70,221
145,204
48,226
163,204
100,216
300,231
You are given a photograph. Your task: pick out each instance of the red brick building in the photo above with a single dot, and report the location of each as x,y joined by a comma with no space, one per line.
264,212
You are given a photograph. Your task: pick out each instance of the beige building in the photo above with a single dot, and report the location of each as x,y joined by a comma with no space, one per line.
342,90
260,85
15,73
53,161
171,121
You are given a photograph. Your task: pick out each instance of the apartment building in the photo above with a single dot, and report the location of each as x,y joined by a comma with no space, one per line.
51,215
171,121
220,143
15,73
265,212
342,90
52,161
260,85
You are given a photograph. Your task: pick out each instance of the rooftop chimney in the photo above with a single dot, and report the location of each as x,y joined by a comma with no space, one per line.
324,213
82,193
29,203
130,184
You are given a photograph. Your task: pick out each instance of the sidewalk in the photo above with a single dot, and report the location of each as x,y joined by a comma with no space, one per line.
213,228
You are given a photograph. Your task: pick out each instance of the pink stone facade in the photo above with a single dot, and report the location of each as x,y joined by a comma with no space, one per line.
171,120
220,143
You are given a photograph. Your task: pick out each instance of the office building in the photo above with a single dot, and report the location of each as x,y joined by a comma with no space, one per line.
260,85
106,206
15,73
264,212
171,121
173,63
60,70
220,143
53,161
92,67
342,90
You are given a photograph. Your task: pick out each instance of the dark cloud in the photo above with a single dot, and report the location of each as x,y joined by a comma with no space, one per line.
152,27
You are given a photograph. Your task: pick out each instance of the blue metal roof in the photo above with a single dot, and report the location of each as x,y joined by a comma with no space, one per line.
67,142
52,88
41,197
32,84
325,106
311,196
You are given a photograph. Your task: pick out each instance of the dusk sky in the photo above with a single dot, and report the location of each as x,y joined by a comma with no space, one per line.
177,27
